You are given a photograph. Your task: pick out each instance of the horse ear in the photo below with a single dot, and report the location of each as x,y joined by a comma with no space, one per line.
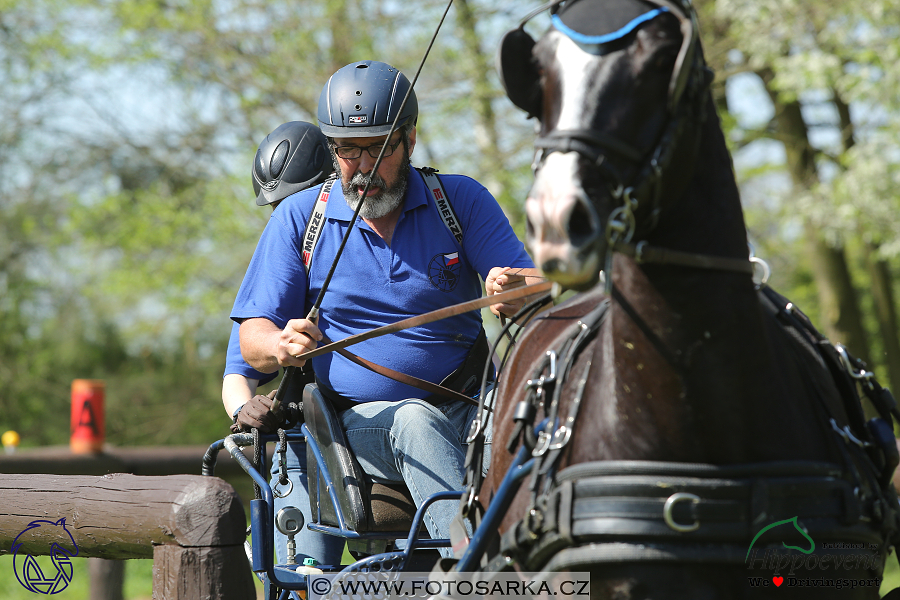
519,72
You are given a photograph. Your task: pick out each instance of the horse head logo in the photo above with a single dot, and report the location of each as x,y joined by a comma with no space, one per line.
812,544
29,572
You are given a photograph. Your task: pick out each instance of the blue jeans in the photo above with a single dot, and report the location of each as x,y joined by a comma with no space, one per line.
409,441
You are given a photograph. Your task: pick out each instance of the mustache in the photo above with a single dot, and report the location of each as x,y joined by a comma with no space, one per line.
360,179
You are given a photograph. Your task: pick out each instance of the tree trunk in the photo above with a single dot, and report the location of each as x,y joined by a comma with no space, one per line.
879,271
885,311
837,296
498,177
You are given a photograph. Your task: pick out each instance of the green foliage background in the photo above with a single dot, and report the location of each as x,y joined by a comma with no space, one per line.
127,130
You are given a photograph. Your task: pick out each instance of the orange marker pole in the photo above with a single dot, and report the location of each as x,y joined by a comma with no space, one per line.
87,416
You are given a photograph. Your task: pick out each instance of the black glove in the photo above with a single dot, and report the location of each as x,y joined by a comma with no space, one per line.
256,414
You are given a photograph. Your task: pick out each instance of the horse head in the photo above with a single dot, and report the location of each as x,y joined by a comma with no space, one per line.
609,92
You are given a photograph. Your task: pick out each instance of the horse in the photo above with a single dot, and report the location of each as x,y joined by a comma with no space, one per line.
675,409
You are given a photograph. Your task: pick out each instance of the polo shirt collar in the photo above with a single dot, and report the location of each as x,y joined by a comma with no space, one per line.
341,211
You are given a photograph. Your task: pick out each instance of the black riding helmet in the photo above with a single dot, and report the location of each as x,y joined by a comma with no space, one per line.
292,158
363,99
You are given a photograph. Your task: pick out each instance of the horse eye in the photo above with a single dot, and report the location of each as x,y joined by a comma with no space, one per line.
665,61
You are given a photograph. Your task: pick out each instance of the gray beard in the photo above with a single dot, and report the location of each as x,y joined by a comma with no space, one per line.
382,203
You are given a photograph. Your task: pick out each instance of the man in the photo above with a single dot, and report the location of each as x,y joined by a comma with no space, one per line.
295,156
401,260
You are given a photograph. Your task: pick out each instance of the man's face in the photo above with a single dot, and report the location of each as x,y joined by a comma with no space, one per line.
388,187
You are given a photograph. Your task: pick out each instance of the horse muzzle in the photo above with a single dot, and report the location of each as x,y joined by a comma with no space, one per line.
564,230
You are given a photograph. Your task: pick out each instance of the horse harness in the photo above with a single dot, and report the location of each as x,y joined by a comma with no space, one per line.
649,511
646,511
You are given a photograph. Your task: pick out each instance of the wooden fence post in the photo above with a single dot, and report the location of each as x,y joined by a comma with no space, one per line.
193,527
107,578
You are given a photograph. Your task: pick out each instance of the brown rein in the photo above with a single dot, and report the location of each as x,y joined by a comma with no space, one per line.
436,315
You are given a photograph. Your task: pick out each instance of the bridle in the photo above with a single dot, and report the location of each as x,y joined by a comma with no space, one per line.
689,80
644,191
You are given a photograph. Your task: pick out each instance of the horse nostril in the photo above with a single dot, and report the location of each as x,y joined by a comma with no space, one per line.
581,224
553,265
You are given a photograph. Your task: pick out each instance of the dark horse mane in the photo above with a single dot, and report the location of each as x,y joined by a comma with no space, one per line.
687,366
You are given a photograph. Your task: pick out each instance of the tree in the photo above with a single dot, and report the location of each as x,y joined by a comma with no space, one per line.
127,222
829,73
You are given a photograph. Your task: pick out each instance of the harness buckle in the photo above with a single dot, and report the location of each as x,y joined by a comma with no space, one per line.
467,505
639,251
766,271
669,508
621,224
847,435
849,367
560,437
474,430
539,384
542,444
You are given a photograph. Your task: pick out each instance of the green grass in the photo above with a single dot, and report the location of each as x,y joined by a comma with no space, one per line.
138,579
891,574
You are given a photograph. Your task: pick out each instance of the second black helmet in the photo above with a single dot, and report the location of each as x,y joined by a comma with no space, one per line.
293,157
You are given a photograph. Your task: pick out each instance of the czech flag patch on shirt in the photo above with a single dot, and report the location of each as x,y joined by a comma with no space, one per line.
443,271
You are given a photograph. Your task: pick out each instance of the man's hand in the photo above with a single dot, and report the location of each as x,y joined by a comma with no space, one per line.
297,337
256,414
504,279
266,347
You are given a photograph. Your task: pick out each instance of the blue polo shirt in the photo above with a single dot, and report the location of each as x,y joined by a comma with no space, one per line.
423,269
235,363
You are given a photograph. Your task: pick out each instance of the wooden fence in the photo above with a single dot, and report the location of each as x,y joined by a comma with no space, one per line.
192,526
143,460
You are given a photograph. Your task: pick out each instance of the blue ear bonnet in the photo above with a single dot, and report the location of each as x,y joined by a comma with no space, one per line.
592,24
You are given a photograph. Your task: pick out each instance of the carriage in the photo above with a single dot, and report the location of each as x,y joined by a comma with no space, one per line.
682,427
383,528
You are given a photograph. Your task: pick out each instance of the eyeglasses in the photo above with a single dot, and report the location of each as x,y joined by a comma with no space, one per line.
354,152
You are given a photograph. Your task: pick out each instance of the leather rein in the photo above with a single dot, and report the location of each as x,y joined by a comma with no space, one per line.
430,317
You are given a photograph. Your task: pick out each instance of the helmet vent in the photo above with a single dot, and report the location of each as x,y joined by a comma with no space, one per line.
260,168
279,157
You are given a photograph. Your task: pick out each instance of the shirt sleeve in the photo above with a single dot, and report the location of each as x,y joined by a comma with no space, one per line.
488,239
274,286
235,363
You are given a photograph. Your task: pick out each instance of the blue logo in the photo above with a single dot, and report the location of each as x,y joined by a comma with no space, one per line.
29,572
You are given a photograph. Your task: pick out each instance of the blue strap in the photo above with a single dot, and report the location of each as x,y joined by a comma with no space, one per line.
608,37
